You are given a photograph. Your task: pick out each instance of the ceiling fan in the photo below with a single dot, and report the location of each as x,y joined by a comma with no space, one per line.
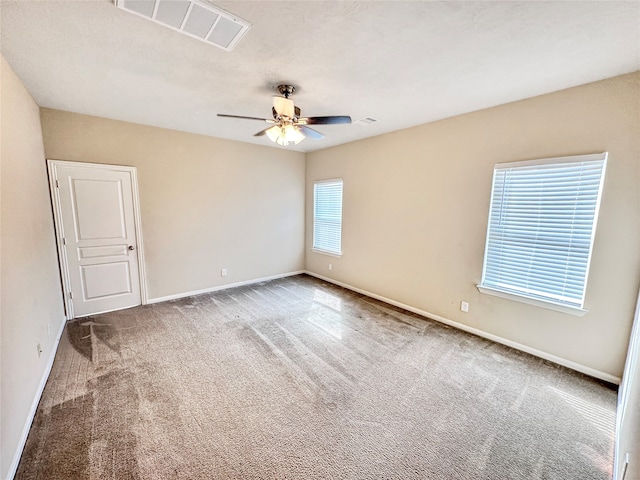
287,124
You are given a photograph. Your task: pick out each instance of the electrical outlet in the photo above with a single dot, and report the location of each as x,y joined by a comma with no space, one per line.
39,350
464,306
223,272
330,267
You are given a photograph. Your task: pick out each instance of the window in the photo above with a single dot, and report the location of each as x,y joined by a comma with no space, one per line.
542,223
327,216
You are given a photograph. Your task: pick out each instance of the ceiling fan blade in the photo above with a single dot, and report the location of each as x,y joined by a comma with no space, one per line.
284,107
261,132
310,132
332,120
246,118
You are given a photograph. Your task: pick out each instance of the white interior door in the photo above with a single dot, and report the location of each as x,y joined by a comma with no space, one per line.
96,228
627,443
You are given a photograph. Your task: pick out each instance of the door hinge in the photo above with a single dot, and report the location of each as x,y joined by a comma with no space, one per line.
64,241
57,184
70,295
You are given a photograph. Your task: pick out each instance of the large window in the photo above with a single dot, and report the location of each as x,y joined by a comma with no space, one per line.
327,216
542,222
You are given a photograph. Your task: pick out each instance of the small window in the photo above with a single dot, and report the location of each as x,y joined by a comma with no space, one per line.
327,216
542,222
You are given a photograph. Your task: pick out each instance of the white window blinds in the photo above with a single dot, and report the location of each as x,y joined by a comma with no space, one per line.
327,216
542,222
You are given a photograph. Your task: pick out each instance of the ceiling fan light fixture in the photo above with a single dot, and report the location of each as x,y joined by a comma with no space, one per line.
293,134
284,135
289,126
273,133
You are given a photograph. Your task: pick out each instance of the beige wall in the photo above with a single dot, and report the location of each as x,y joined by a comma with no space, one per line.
31,294
416,203
206,203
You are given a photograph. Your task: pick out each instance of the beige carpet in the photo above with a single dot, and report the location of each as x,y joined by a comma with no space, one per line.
299,379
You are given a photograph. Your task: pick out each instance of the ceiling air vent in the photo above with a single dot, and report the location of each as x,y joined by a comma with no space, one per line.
366,121
195,18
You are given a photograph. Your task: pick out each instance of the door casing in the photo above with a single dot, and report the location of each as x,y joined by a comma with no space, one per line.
627,433
57,218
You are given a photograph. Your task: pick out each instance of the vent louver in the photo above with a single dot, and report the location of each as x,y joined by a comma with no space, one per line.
195,18
366,121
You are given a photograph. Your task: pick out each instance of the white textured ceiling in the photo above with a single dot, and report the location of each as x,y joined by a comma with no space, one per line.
403,63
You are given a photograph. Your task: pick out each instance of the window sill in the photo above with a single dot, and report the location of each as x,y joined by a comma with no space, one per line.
579,312
325,252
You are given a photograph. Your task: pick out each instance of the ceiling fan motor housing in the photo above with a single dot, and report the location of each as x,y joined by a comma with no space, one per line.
295,109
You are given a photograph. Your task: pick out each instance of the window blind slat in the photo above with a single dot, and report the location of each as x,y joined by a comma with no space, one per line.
327,216
541,227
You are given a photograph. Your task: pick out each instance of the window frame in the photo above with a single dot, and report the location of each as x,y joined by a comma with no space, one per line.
523,297
314,248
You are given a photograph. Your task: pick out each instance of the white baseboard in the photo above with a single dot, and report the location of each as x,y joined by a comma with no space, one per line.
222,287
495,338
34,405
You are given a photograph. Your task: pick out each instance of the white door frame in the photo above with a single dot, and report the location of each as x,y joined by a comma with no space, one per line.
630,379
57,219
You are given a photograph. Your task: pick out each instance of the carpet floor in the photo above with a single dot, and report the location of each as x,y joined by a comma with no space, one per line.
299,379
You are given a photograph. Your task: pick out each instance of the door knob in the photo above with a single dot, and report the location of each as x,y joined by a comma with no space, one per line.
131,247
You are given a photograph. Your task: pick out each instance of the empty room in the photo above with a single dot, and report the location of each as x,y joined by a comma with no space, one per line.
319,240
